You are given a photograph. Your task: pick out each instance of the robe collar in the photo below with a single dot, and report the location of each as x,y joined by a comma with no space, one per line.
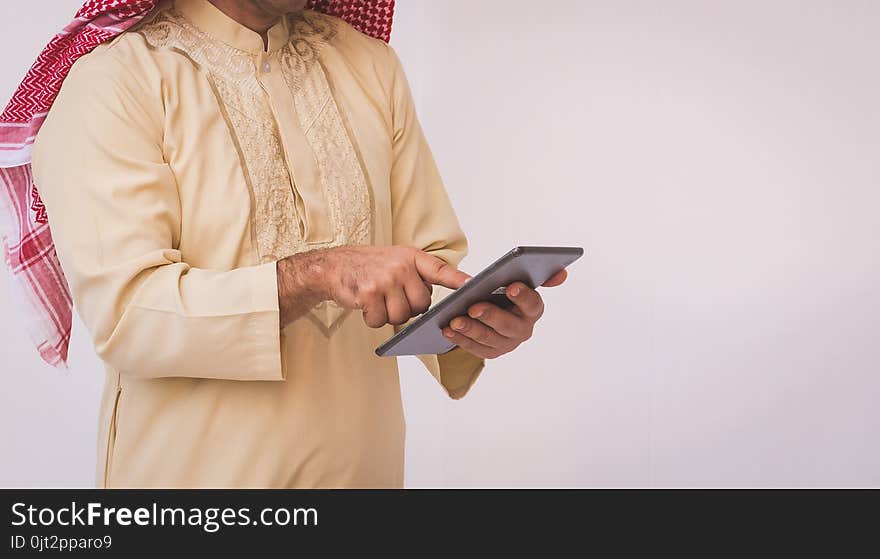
214,22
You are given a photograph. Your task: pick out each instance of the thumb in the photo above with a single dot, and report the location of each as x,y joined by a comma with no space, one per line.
438,272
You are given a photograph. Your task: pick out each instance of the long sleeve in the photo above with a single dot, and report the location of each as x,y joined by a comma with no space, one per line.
423,217
114,211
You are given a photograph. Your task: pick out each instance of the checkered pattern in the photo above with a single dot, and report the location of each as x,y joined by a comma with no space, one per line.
371,17
37,279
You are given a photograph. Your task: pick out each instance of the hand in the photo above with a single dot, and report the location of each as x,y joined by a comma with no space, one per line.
389,284
490,331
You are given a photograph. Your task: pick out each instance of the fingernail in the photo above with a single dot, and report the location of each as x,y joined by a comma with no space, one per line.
514,291
477,313
458,324
449,334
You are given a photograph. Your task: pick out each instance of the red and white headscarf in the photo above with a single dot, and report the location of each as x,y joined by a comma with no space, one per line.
37,279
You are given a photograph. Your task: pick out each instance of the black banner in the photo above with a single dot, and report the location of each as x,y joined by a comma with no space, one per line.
132,523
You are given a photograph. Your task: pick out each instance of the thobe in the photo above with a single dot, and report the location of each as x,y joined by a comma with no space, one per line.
180,162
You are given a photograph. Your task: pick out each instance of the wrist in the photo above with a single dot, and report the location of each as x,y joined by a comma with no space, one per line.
307,276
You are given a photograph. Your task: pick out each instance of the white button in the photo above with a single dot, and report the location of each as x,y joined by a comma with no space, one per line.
267,67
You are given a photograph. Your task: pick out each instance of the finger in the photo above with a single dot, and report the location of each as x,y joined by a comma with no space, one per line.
527,300
502,321
439,272
397,306
375,312
557,279
419,296
469,345
480,333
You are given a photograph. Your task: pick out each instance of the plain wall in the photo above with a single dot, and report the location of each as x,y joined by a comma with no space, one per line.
718,160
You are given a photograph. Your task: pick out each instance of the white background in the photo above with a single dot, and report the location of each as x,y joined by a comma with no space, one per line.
721,163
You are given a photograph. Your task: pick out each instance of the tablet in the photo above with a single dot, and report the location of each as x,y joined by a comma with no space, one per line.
530,265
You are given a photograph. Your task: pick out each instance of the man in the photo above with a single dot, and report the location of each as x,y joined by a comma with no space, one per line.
226,183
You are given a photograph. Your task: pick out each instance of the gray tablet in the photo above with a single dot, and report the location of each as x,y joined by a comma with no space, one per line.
530,265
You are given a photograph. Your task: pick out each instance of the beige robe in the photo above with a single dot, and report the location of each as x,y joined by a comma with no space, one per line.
180,162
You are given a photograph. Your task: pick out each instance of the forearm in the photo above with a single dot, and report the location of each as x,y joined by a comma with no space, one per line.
302,283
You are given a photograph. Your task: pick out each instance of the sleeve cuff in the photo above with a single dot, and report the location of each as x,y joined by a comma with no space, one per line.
457,371
266,363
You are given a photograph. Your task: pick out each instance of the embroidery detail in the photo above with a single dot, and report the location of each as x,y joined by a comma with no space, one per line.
251,121
341,175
